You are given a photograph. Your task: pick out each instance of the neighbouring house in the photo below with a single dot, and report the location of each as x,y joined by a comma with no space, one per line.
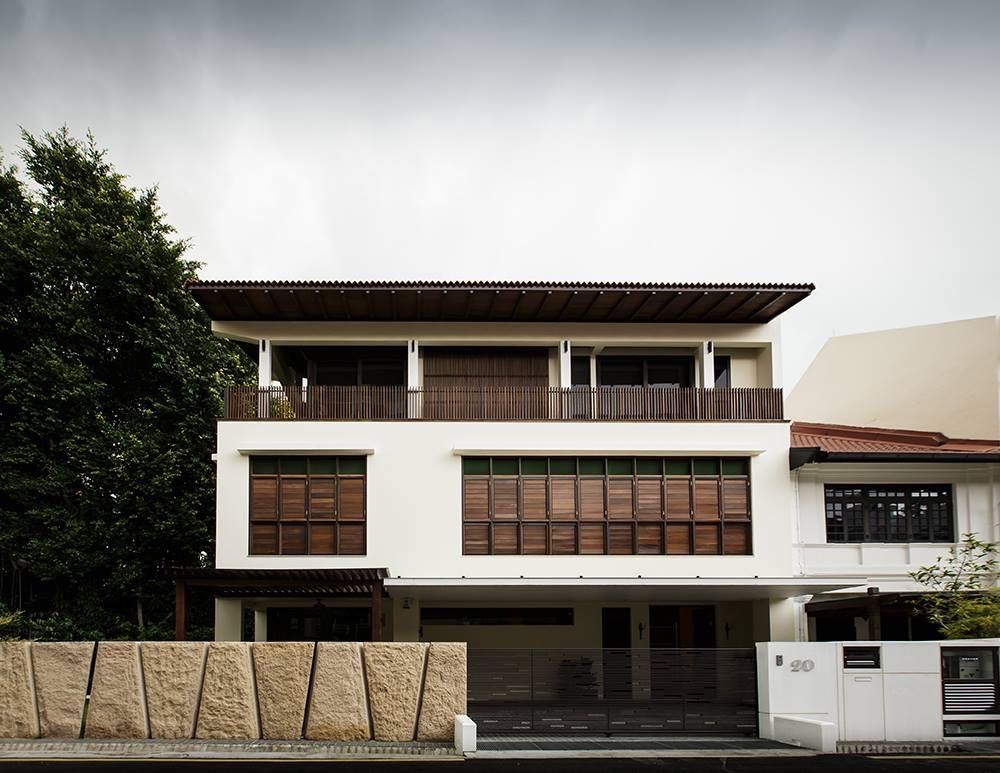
933,378
876,504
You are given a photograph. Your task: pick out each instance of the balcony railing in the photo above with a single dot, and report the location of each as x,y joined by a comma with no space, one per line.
397,403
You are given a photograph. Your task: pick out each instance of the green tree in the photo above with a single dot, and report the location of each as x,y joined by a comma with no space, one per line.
110,382
962,598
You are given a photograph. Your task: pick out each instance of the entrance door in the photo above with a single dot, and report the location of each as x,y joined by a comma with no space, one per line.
681,627
616,641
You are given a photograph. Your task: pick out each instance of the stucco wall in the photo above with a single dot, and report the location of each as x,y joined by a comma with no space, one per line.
414,492
938,378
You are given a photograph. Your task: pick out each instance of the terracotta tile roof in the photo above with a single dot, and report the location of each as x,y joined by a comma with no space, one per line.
841,442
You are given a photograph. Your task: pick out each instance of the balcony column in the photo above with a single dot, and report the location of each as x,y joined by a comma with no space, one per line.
706,365
264,362
413,409
565,364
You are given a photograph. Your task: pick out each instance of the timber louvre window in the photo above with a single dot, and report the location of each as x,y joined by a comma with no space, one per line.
889,513
605,506
307,505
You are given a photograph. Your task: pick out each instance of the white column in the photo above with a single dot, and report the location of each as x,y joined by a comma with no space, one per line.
260,625
412,364
413,400
565,364
264,362
228,619
706,365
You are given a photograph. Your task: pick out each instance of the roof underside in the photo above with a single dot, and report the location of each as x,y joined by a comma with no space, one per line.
843,443
495,301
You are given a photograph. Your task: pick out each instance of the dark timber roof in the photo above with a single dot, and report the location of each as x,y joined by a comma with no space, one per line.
813,442
281,582
495,301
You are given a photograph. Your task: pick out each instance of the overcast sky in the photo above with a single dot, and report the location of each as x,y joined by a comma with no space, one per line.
851,144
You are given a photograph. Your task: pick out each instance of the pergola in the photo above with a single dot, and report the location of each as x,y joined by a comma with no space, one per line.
279,583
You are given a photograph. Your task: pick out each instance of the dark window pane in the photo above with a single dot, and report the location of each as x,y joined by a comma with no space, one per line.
379,372
735,467
562,466
352,465
706,466
669,371
722,369
475,466
505,466
591,466
263,465
323,465
619,466
533,466
620,371
580,371
648,466
293,465
678,466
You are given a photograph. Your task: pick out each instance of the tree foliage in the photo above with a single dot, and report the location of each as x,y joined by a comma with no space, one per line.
963,600
110,381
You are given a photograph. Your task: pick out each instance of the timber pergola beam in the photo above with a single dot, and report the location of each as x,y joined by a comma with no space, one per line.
278,582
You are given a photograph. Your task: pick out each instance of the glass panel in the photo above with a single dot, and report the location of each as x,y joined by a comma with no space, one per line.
580,371
620,371
475,465
619,466
678,466
591,466
354,465
562,466
722,370
670,372
293,465
735,467
648,466
706,466
971,728
533,466
505,466
323,465
967,664
383,372
263,465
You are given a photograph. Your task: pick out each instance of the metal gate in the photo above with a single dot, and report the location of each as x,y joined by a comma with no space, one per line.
613,691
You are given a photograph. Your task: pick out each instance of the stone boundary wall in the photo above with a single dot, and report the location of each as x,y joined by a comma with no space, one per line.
328,691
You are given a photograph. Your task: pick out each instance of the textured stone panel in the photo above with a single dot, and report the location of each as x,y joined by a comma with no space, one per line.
282,670
61,673
172,672
117,704
394,671
18,717
228,701
444,692
338,708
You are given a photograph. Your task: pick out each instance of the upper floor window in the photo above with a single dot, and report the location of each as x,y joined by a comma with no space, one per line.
594,505
307,505
653,371
889,513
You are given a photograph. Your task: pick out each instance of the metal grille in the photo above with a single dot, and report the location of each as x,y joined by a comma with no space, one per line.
970,697
613,690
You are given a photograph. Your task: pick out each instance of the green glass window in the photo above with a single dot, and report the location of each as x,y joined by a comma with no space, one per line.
472,465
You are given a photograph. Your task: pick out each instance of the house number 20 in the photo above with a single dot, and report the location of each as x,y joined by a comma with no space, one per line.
802,665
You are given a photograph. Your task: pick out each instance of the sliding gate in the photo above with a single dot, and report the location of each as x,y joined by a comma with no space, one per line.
549,691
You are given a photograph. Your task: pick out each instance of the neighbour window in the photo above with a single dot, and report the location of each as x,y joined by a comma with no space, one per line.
916,513
307,505
605,506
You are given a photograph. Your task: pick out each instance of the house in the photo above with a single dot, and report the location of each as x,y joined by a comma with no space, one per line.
578,465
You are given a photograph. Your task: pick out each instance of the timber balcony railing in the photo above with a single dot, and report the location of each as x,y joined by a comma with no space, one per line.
518,403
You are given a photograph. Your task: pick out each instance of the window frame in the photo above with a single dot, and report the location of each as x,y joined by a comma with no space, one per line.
338,521
870,506
556,532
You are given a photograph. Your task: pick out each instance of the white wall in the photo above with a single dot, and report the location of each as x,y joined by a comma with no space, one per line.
976,499
414,492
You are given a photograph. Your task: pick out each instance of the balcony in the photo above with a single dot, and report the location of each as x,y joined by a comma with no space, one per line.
397,403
